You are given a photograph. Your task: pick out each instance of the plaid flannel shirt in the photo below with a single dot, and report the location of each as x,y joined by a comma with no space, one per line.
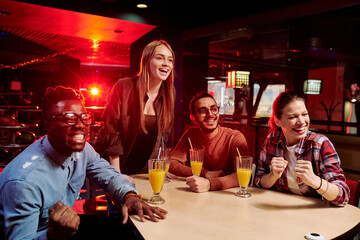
314,147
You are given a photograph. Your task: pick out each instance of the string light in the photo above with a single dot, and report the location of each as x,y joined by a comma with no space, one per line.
37,60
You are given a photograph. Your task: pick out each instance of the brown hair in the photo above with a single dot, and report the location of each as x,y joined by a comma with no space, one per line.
278,106
143,84
198,96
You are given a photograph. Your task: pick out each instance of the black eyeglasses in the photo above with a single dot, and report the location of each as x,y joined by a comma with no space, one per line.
204,111
72,118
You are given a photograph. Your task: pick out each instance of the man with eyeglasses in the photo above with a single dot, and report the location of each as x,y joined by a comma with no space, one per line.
220,144
39,186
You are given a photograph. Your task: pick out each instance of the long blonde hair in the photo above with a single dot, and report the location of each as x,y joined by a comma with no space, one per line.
143,85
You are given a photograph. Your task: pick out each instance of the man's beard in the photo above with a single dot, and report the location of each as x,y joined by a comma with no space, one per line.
206,130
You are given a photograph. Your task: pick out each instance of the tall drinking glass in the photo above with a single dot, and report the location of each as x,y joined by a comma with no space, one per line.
165,155
196,160
243,169
156,169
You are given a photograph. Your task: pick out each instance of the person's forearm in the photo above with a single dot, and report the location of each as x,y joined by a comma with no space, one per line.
268,180
328,190
179,169
115,162
224,182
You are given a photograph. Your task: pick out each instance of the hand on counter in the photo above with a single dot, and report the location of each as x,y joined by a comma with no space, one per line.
142,208
198,184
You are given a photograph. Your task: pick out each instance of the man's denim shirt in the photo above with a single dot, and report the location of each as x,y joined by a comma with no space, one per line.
40,176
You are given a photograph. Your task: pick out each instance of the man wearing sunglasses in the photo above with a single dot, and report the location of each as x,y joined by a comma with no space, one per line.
39,186
220,144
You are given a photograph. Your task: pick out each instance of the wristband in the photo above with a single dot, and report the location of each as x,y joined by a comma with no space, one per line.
327,187
320,185
131,194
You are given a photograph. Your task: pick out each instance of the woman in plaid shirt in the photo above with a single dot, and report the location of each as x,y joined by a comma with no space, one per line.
294,159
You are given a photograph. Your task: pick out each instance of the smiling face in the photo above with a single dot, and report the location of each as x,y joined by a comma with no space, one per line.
210,122
63,137
294,121
161,64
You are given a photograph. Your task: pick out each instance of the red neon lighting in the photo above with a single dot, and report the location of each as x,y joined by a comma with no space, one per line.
101,208
94,91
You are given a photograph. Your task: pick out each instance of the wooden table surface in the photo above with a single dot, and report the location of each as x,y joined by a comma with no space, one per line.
221,215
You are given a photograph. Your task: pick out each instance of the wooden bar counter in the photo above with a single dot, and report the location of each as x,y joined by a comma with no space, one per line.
221,215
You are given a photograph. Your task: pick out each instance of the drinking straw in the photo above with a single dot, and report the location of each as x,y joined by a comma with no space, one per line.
238,154
158,157
190,143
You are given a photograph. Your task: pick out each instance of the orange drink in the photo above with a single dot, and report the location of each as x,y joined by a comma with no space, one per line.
243,176
196,167
243,170
156,168
156,177
196,160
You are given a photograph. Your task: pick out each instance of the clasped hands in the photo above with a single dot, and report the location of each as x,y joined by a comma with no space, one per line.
303,170
200,184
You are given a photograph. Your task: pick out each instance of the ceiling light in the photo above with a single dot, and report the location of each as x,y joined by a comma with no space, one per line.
312,86
141,5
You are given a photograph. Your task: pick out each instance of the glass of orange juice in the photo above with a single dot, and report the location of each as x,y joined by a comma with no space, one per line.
156,168
196,160
243,169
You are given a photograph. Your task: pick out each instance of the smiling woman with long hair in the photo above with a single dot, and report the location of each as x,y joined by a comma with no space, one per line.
139,111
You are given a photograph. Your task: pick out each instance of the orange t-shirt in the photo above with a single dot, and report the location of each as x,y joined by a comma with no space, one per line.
220,152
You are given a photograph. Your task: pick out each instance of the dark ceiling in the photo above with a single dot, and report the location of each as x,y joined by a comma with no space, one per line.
33,32
184,14
100,32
